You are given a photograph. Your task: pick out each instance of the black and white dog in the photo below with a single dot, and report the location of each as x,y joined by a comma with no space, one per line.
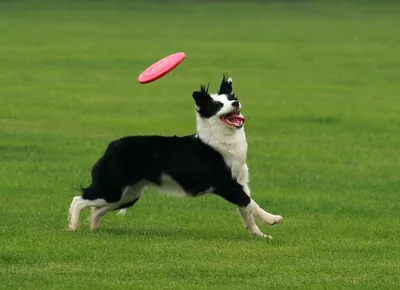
212,161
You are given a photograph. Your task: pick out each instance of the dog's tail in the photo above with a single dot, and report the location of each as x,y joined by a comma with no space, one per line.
100,181
91,192
86,190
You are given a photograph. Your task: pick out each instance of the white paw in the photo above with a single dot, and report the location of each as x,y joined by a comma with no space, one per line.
265,236
256,231
262,235
271,219
72,228
277,219
122,212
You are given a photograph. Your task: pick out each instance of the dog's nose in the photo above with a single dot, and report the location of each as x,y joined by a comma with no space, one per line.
236,104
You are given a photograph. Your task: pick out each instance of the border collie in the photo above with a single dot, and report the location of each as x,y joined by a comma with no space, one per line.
212,161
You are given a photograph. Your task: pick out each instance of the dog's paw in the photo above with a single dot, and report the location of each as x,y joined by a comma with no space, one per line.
276,219
256,232
265,236
94,228
270,219
122,212
262,235
71,228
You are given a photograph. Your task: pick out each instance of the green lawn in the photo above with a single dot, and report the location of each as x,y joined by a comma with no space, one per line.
319,84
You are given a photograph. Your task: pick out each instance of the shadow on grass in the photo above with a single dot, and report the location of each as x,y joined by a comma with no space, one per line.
181,233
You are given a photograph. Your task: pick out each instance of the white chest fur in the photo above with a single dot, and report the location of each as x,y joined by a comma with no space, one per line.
230,143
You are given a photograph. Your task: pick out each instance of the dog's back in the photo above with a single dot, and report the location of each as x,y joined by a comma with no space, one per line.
152,159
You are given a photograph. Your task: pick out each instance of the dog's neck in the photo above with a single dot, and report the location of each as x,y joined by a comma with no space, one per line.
230,143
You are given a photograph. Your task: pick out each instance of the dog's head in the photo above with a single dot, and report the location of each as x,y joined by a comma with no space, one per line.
222,106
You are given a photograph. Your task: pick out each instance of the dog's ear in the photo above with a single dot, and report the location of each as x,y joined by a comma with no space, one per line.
226,86
201,95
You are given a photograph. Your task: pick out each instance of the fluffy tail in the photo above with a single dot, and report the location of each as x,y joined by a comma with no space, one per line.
90,192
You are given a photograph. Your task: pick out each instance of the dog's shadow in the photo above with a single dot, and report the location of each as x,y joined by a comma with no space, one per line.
184,234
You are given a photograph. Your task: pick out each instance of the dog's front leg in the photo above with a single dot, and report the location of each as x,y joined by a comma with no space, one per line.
247,215
249,223
248,208
264,216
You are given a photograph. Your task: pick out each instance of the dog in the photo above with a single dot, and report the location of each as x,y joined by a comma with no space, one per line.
211,161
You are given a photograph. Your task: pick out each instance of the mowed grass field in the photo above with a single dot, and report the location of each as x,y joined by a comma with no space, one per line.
319,85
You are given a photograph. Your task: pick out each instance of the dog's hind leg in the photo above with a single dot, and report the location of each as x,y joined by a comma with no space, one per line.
79,203
99,213
122,211
123,208
130,196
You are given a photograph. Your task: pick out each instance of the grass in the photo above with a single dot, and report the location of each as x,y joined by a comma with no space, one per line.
319,87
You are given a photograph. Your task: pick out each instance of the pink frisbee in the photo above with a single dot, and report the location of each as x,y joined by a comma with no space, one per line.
161,67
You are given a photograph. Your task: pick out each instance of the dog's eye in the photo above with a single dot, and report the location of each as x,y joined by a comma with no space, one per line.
218,106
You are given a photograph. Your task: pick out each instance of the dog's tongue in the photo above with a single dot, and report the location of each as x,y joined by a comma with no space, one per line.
237,120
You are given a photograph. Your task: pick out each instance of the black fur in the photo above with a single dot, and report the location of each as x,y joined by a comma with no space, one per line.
207,106
194,165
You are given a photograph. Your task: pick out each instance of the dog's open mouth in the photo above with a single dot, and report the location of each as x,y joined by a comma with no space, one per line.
233,119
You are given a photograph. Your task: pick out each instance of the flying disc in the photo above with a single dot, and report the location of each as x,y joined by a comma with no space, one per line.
161,67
